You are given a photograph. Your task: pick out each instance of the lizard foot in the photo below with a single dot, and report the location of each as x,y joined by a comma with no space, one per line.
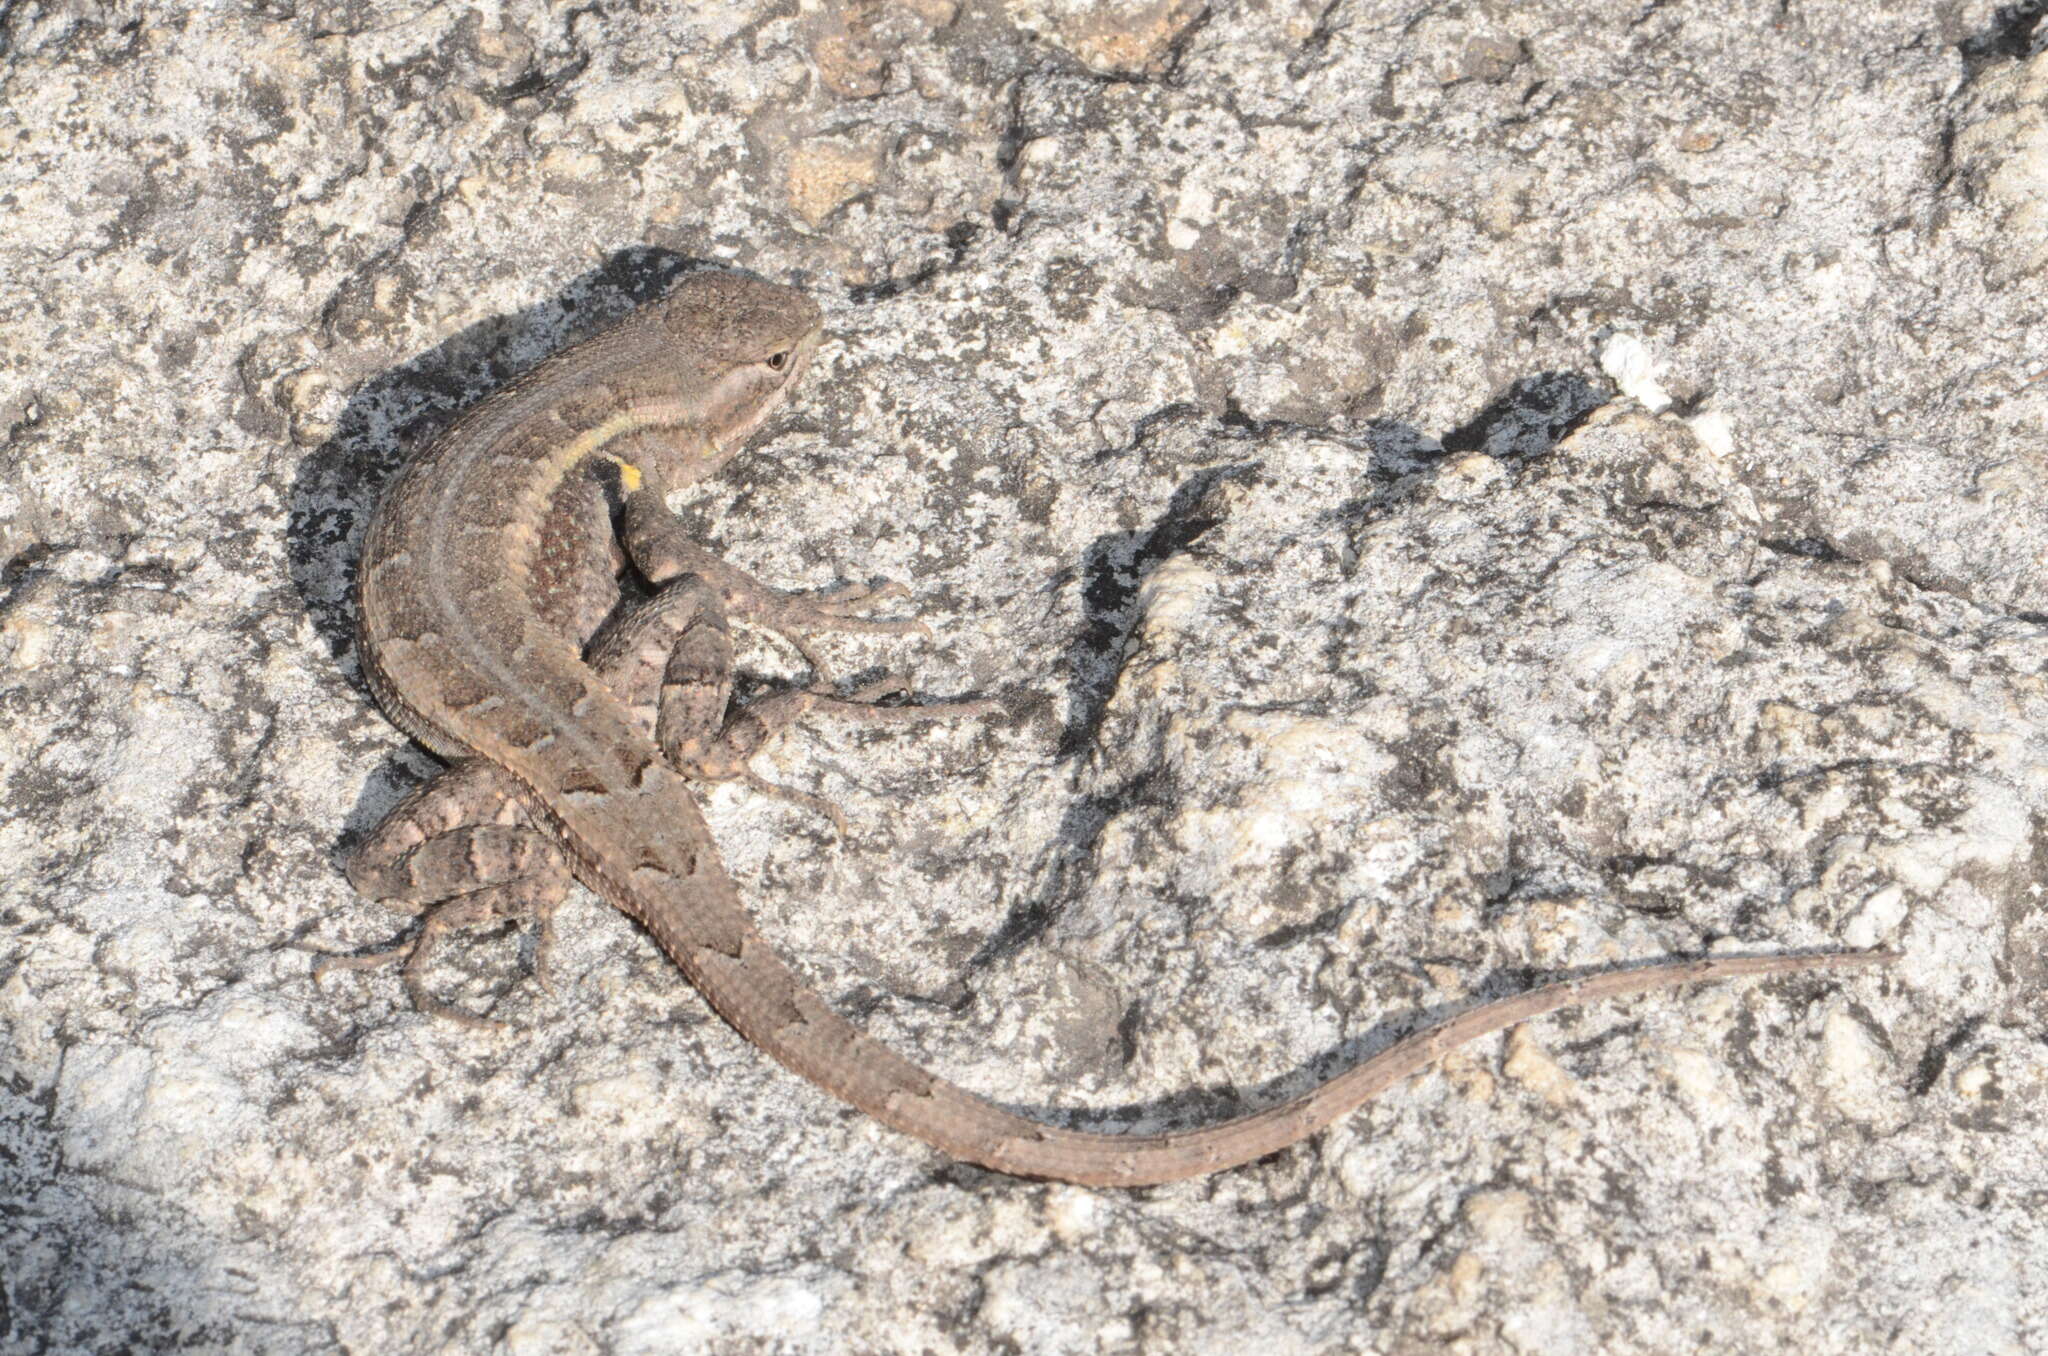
466,911
817,804
748,730
665,555
797,617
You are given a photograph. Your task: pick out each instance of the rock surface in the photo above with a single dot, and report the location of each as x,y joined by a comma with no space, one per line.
1451,495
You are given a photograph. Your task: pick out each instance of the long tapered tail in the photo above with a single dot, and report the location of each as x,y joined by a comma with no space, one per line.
820,1045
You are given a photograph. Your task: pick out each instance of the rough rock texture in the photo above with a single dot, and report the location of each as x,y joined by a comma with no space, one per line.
1452,494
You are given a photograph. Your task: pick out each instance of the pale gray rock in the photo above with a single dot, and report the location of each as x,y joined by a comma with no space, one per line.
1450,495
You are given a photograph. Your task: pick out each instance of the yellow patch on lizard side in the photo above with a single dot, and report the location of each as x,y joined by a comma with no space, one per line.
629,474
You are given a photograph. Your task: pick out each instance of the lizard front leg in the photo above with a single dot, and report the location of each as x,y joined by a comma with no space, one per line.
657,544
683,631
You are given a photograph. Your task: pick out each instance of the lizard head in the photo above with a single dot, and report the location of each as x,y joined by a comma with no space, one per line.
741,343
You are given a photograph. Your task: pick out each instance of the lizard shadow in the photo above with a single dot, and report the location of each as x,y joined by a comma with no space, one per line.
337,485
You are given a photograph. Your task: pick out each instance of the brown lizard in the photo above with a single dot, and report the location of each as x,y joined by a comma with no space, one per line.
487,569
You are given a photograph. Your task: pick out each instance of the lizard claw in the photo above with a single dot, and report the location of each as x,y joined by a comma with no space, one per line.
434,1007
848,598
544,953
368,960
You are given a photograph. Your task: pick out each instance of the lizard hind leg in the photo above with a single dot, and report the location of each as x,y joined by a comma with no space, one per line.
672,657
461,851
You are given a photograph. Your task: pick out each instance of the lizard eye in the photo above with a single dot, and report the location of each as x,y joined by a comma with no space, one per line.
778,361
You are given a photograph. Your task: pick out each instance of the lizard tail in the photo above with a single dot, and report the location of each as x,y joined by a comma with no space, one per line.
817,1043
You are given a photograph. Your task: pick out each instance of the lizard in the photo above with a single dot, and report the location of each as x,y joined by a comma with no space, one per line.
484,562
